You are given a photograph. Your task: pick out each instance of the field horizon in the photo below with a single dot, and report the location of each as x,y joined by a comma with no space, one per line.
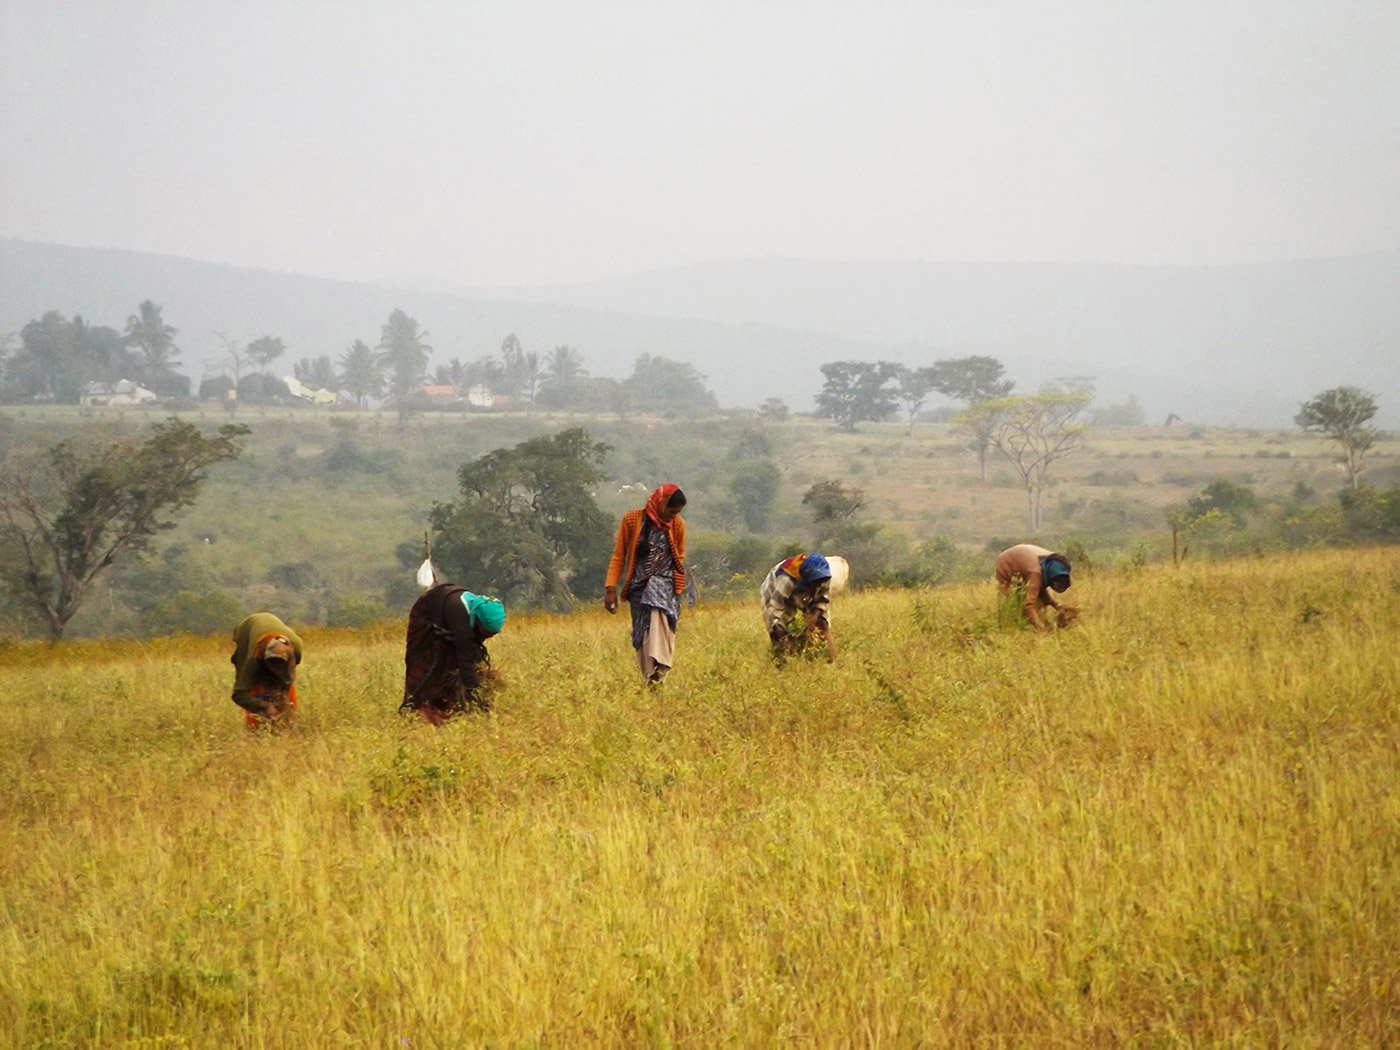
1174,823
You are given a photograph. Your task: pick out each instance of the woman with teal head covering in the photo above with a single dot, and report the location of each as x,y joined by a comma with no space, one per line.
447,669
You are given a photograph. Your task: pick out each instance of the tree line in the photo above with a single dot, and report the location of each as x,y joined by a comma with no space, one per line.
58,358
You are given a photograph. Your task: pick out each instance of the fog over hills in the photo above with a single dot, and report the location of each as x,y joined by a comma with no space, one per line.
1219,344
1226,344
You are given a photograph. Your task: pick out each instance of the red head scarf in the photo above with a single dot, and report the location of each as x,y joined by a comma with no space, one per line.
658,500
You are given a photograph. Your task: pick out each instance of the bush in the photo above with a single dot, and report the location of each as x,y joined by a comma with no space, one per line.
354,610
1112,477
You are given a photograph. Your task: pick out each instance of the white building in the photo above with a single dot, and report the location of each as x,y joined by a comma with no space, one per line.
124,392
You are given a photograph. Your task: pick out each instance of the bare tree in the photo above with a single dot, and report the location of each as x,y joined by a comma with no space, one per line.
237,361
1032,432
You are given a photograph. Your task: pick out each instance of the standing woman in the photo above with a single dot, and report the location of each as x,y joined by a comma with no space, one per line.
649,555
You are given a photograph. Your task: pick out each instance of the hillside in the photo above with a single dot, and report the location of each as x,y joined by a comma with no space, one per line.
1214,344
745,363
1229,344
1172,824
342,492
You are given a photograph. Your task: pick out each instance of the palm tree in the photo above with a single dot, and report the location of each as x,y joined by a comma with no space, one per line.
513,358
361,374
147,331
404,355
563,364
532,368
450,374
316,373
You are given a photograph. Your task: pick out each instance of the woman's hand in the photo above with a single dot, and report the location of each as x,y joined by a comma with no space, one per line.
610,599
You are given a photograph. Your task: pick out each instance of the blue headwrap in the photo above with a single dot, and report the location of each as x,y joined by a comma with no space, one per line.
815,568
1052,567
488,614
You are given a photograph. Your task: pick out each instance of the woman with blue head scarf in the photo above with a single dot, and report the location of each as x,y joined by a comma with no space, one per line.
1042,572
446,665
797,585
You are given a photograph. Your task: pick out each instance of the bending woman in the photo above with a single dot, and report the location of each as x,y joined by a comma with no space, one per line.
445,658
266,653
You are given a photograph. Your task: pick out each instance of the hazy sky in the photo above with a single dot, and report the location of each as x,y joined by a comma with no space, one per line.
519,142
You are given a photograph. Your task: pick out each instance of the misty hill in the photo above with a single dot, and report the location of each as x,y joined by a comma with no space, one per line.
745,363
1238,344
1219,343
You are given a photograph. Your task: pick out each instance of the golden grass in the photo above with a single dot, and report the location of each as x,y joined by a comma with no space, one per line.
1176,823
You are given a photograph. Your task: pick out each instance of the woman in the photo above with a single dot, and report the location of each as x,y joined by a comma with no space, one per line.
649,555
800,585
266,653
1036,571
445,660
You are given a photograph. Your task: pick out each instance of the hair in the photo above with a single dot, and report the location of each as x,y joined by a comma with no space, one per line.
677,499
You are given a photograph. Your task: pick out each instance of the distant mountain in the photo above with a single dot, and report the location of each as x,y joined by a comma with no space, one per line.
745,363
1240,344
1222,343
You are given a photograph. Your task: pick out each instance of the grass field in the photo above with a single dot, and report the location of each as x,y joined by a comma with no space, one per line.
1177,823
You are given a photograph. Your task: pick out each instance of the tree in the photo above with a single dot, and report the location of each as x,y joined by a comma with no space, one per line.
264,351
913,388
856,392
69,515
973,380
453,374
561,378
563,365
753,479
513,360
774,409
1032,432
403,354
1128,414
533,369
1343,414
833,503
316,372
525,525
361,373
485,372
57,358
147,331
659,384
1225,497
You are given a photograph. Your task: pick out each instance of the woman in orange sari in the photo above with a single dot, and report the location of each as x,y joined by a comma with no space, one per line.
649,555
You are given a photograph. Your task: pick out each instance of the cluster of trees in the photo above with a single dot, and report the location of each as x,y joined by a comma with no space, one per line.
862,391
1031,431
58,357
396,370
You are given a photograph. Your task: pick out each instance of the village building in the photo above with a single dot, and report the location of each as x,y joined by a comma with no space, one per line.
123,392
